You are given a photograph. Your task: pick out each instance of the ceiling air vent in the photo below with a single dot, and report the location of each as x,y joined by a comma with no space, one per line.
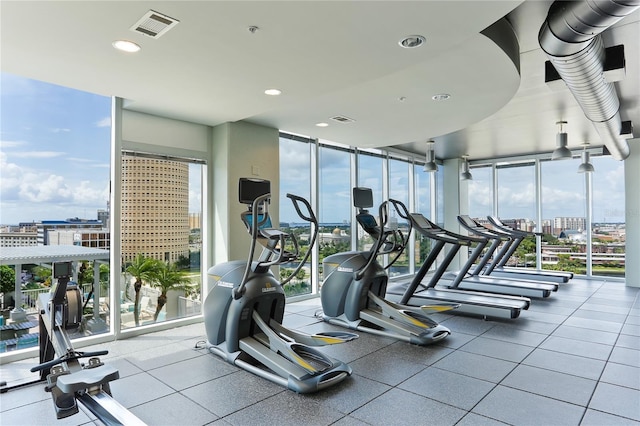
154,24
342,119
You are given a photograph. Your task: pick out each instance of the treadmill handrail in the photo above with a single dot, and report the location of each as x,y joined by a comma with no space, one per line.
477,228
495,221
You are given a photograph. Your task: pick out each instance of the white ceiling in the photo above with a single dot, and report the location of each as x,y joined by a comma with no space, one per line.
329,58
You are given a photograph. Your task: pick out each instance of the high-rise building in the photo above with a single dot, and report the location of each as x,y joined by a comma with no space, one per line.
155,208
569,223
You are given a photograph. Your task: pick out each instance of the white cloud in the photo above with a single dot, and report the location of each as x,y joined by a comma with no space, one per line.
105,122
12,144
59,130
37,154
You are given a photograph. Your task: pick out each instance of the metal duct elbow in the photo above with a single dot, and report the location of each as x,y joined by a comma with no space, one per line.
570,37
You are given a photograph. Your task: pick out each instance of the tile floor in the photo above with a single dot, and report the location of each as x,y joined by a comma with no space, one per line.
571,359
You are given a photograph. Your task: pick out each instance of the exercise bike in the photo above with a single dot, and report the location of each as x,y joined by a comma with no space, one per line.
244,309
68,380
355,284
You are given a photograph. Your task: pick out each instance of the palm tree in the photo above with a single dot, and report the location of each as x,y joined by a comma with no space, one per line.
142,269
168,277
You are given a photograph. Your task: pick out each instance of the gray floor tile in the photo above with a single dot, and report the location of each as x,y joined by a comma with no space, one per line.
541,306
468,325
598,418
160,356
594,324
524,408
566,363
631,329
350,394
349,421
589,306
617,400
24,396
559,386
623,301
497,349
585,334
545,317
215,395
508,333
405,408
577,347
532,325
138,389
296,321
451,388
478,366
174,409
425,355
285,408
193,371
623,375
599,316
40,413
627,341
473,419
632,320
625,356
377,366
455,340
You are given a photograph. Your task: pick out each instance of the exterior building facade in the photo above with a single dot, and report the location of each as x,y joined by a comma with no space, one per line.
155,208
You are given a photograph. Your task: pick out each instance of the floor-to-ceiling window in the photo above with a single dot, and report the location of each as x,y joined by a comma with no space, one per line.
564,219
295,178
400,171
334,201
423,182
481,192
54,161
608,229
161,241
370,175
517,203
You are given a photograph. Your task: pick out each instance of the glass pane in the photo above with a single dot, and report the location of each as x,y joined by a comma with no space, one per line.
295,178
422,205
335,202
369,175
161,241
563,216
481,193
399,190
608,232
55,192
517,205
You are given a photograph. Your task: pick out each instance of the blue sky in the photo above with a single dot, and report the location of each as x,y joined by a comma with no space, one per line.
54,151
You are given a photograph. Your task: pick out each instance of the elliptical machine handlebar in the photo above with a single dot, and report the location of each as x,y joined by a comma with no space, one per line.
313,221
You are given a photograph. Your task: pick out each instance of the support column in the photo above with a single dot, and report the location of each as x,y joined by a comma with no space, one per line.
632,213
456,202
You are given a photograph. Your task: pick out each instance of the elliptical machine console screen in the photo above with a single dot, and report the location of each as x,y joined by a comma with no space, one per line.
249,189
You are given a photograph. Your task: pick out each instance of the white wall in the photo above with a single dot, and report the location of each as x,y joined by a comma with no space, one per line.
455,203
240,150
632,216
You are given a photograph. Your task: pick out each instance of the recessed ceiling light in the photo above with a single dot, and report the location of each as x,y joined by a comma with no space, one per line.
409,42
441,97
126,46
322,124
272,92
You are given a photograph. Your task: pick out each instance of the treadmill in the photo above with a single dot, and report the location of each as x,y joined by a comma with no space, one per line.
499,269
471,302
475,281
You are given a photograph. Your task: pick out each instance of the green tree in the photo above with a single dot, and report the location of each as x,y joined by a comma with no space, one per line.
7,279
168,277
143,269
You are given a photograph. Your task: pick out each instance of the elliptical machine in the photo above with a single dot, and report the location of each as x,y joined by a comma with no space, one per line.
355,283
244,309
68,380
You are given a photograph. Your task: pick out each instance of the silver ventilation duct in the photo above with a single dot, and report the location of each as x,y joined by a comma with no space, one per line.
570,37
